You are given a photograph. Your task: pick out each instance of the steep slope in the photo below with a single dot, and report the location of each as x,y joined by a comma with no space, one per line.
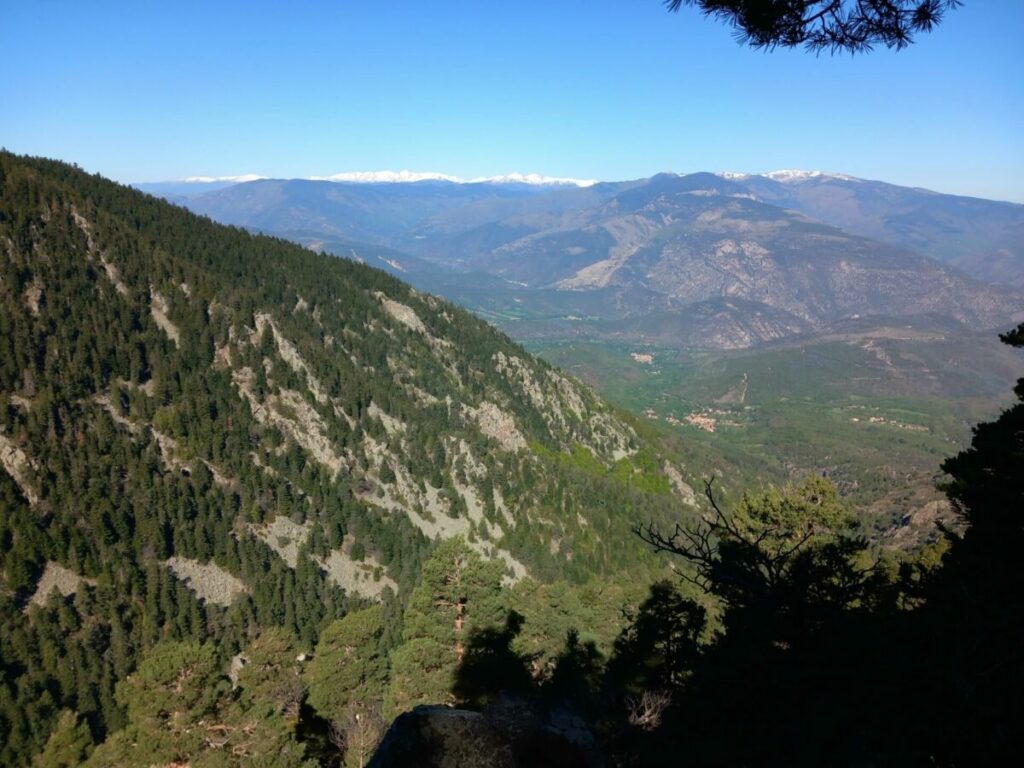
205,432
984,238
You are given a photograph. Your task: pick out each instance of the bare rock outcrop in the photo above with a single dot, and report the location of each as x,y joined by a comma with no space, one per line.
509,734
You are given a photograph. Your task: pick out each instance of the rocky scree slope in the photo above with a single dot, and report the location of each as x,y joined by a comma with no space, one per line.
206,432
291,387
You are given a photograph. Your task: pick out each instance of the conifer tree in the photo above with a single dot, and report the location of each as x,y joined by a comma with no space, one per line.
69,744
459,593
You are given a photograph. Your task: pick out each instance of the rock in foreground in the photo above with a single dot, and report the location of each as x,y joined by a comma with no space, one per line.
504,736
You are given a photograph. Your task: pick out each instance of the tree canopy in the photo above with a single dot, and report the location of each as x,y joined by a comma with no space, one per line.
833,25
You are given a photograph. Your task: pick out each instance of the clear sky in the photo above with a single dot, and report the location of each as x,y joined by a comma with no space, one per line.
607,89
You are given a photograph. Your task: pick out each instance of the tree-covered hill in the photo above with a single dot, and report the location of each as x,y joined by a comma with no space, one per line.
206,433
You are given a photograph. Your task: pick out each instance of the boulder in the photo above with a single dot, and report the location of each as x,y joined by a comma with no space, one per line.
509,734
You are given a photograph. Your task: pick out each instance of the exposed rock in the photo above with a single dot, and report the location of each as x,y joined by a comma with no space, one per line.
112,272
169,452
498,425
629,234
473,471
291,356
56,576
519,373
422,397
209,581
569,392
159,309
104,402
169,449
22,402
284,536
507,735
402,313
114,275
552,394
502,507
496,553
610,436
33,294
357,576
922,523
287,537
428,508
296,418
683,489
561,402
392,425
18,466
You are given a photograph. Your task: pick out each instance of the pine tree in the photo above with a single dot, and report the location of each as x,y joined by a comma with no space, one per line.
69,744
459,593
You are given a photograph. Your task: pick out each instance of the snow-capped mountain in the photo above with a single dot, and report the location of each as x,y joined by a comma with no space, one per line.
405,177
386,177
535,179
787,176
240,179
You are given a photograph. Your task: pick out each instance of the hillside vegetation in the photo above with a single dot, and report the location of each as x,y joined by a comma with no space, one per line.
257,503
206,433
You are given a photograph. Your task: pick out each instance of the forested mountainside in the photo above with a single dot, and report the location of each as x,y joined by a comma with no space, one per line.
258,502
206,433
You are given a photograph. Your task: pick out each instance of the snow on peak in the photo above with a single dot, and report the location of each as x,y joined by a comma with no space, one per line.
399,177
214,179
533,178
787,176
386,177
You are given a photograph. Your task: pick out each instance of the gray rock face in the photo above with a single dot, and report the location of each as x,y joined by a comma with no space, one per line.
507,735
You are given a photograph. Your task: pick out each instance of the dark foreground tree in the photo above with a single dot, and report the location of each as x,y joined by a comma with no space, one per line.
825,660
973,621
833,25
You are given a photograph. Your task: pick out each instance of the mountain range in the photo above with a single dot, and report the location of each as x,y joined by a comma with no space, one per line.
697,260
209,433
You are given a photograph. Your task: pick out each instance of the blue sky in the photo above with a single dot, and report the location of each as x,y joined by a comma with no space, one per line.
144,91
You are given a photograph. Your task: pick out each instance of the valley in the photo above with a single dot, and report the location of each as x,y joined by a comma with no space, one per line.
875,411
261,442
455,385
859,343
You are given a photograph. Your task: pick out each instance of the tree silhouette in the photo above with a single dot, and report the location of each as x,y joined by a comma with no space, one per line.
973,619
834,25
490,666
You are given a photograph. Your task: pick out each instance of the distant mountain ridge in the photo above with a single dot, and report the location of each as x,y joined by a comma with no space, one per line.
720,260
985,238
